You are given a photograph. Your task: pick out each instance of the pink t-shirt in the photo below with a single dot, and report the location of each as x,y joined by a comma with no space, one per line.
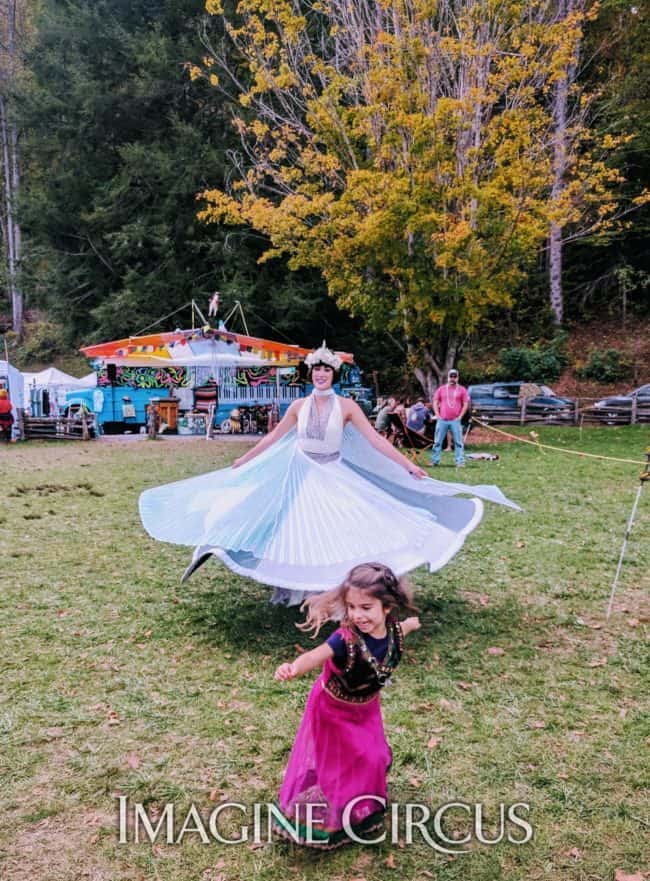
451,400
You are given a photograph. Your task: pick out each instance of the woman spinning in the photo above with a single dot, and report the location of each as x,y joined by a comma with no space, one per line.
320,494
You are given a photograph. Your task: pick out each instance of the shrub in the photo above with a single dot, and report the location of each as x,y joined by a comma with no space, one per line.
544,361
42,343
607,366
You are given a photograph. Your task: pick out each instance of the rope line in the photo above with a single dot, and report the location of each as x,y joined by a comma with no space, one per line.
533,443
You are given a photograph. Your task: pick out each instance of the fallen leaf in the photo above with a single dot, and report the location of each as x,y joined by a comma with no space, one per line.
214,794
465,685
632,622
598,662
362,861
484,599
620,875
521,544
574,852
415,782
133,761
537,723
54,732
495,650
390,861
299,648
433,742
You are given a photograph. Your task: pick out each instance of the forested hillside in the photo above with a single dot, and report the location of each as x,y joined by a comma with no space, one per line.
424,206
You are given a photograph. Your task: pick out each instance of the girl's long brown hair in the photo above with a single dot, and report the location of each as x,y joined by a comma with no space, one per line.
380,582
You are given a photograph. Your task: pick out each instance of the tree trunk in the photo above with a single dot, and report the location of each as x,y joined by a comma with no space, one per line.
555,273
431,369
11,173
560,99
561,145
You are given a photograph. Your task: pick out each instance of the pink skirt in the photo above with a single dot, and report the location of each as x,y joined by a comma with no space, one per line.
340,756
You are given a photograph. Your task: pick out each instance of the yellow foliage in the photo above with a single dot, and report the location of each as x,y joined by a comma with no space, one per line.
411,162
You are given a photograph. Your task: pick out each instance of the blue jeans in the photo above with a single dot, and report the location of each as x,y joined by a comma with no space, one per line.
442,426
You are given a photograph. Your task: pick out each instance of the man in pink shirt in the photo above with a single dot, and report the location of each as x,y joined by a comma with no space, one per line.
450,403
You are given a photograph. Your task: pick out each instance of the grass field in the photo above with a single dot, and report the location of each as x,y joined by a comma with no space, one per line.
115,679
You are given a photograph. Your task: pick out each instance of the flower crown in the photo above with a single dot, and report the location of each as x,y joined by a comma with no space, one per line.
323,355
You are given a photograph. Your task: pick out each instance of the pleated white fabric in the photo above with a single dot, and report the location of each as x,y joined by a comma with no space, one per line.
293,522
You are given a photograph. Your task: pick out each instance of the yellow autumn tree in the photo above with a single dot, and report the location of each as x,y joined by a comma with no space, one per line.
404,148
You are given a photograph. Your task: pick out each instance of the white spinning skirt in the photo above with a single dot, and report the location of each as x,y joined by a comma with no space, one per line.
291,522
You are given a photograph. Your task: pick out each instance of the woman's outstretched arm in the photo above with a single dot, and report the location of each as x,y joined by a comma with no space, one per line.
357,417
283,427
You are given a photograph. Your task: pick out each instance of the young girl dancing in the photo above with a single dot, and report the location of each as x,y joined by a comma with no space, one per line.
340,753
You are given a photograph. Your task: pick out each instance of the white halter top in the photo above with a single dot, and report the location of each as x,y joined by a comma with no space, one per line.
330,443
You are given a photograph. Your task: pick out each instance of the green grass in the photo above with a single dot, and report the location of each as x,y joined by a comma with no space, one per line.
105,654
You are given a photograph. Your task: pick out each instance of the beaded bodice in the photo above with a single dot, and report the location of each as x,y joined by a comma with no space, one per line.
363,676
320,429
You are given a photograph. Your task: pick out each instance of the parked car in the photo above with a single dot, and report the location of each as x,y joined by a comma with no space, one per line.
609,409
505,396
359,393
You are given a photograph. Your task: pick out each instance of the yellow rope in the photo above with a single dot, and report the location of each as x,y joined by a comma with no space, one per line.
524,440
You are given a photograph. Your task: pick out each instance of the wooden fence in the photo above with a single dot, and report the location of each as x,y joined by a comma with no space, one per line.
58,427
580,411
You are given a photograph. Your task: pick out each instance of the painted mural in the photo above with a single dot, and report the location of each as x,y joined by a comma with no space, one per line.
251,377
146,377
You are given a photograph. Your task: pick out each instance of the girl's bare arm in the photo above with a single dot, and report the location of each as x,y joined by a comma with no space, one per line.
304,663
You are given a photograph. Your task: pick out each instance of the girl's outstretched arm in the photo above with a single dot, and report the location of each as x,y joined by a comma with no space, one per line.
284,425
358,418
304,663
408,625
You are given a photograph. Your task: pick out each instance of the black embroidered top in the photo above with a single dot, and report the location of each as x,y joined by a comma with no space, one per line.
364,675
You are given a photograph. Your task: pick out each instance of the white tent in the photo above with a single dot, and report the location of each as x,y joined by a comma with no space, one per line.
11,379
52,376
55,382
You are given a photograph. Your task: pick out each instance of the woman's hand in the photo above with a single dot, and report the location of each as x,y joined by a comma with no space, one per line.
238,462
417,472
284,672
410,624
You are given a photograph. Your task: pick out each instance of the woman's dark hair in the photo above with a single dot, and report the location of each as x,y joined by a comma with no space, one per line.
337,373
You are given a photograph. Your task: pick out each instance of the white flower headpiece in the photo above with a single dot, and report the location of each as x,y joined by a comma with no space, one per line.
323,356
